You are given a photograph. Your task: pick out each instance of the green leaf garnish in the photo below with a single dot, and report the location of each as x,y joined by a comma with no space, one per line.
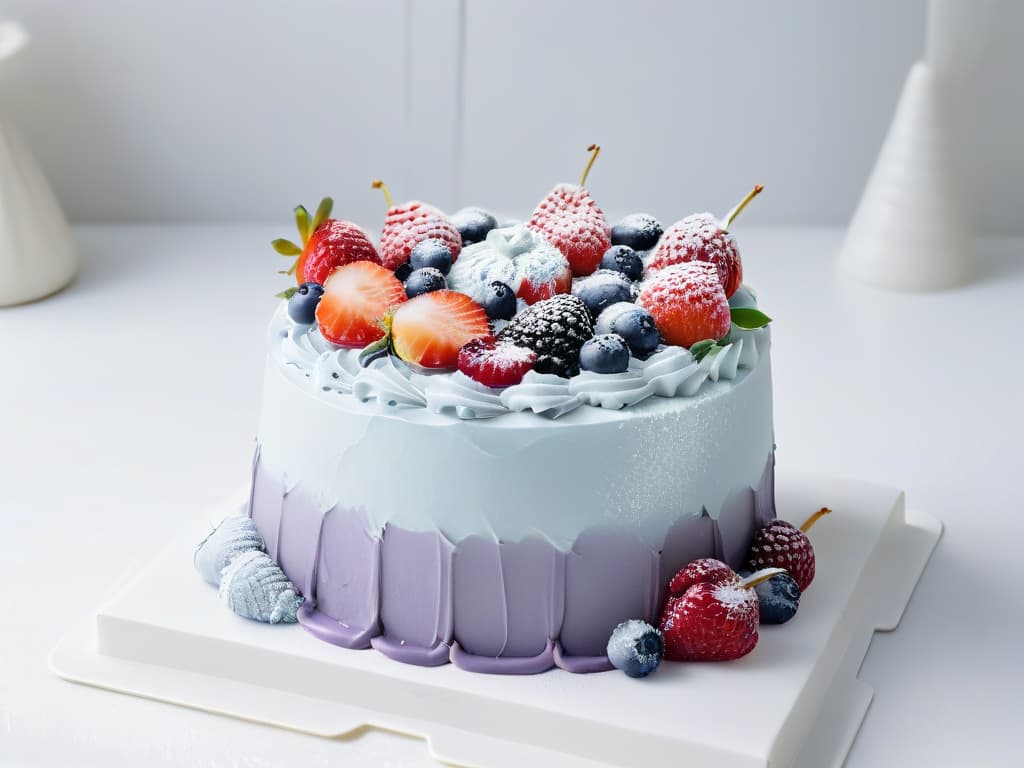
302,223
287,293
373,350
701,349
322,212
749,318
286,247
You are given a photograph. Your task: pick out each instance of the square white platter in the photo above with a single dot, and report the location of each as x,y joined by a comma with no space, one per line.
795,700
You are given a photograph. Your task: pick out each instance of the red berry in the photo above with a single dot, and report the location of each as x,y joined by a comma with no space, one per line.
495,364
542,273
700,237
714,618
687,303
783,545
430,329
406,225
570,219
356,298
333,244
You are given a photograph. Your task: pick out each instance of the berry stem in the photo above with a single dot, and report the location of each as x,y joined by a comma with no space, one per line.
378,184
594,151
759,577
730,217
810,521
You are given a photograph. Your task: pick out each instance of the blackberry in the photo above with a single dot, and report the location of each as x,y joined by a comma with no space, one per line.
555,329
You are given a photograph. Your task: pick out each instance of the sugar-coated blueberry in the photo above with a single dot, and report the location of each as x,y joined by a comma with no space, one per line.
500,301
606,353
431,253
424,281
402,271
634,324
636,648
778,598
473,224
640,231
302,303
602,289
622,258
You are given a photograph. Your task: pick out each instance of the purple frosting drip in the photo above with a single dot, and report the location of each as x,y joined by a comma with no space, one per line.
495,607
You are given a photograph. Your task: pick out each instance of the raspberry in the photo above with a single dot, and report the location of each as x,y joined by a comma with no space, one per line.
494,364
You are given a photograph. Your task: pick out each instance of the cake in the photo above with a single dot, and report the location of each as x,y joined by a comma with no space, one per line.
492,445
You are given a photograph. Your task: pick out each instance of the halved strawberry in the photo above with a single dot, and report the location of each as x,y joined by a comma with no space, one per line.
430,329
493,364
356,298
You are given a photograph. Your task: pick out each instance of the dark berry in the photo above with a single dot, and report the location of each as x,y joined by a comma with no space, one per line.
431,253
424,281
602,289
402,271
636,648
640,231
473,224
500,301
555,329
778,598
634,324
622,258
606,353
302,304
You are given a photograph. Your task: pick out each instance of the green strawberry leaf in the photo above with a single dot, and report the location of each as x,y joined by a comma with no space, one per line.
287,293
701,349
322,212
286,247
302,223
749,318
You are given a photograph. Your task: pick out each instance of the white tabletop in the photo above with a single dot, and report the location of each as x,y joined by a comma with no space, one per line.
132,397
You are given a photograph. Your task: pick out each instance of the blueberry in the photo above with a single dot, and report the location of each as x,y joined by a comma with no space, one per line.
424,281
778,598
431,253
473,224
634,324
602,289
606,353
402,271
302,304
500,301
636,648
622,258
640,231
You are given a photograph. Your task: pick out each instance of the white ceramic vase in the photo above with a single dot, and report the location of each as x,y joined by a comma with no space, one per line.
37,254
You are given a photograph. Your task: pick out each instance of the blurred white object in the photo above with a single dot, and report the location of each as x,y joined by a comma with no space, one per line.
911,230
37,255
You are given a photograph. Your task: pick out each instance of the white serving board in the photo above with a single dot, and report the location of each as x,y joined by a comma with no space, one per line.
795,700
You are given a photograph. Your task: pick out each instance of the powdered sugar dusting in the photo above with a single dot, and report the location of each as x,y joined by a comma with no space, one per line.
700,237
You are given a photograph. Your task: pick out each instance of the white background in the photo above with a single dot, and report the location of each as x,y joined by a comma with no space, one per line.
236,111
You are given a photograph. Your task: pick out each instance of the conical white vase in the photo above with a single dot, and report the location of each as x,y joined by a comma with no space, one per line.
911,231
37,254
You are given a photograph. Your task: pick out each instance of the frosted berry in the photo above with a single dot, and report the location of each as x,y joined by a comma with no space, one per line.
602,289
555,329
412,223
495,364
606,353
423,281
783,545
640,231
636,648
687,303
302,303
432,253
499,301
634,324
778,598
622,258
473,224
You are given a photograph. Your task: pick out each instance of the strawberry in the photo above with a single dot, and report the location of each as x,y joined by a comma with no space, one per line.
542,273
701,237
326,245
356,297
783,545
570,219
495,364
409,224
432,328
687,303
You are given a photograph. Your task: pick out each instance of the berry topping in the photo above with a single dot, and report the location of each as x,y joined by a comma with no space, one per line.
431,329
783,545
710,615
403,270
326,245
702,237
602,289
622,258
570,219
636,648
499,301
639,231
542,273
356,297
431,253
424,280
687,303
634,324
495,364
473,224
480,265
778,598
606,353
302,304
555,329
409,224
